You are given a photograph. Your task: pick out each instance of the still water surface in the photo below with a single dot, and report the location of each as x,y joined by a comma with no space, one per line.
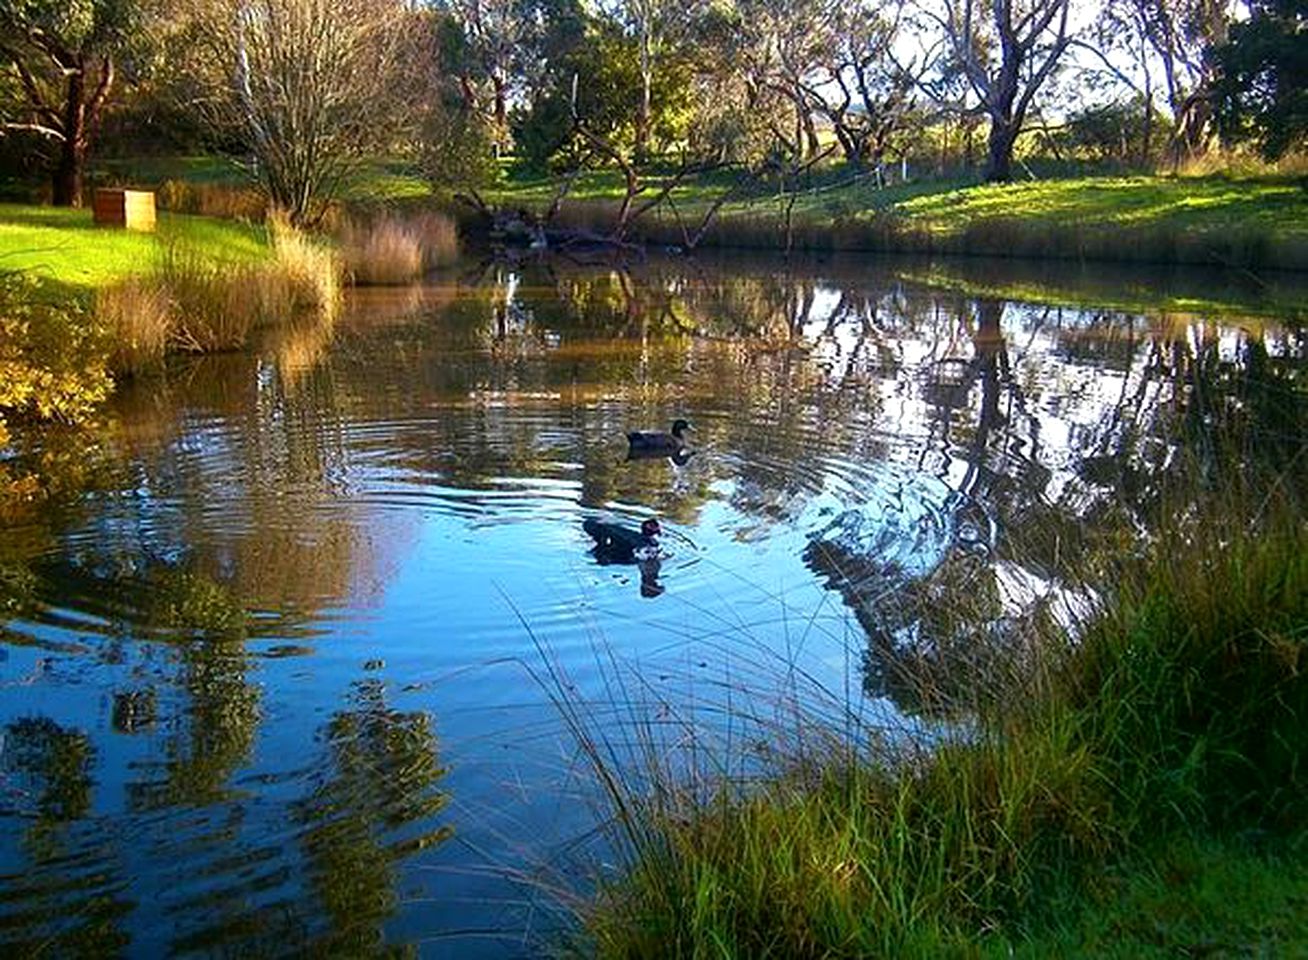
275,675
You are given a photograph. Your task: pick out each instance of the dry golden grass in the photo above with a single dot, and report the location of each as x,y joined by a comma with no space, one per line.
137,314
213,200
304,273
196,304
393,250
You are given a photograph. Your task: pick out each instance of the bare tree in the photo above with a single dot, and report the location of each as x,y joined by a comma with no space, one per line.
1006,49
311,85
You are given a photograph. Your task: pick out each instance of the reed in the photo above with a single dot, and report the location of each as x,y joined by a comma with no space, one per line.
212,306
194,303
1180,710
393,249
137,314
224,201
304,274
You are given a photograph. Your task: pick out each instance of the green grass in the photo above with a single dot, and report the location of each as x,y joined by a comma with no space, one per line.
1191,898
64,246
1206,220
1173,728
1208,203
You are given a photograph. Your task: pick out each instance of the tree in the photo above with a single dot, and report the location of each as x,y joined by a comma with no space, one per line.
658,28
1183,35
64,53
1263,92
313,86
1006,49
864,92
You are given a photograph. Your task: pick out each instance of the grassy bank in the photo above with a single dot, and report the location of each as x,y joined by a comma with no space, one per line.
81,307
1215,221
66,248
1251,222
1103,793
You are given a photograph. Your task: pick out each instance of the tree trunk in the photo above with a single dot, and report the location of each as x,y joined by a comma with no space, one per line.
999,162
72,151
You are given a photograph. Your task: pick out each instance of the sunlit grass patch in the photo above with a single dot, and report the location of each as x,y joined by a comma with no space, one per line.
65,246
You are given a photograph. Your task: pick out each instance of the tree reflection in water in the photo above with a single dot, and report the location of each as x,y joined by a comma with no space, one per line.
63,892
187,624
376,802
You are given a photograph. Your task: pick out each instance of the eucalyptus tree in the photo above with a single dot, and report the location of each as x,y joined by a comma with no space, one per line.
65,55
780,47
865,90
1184,36
1169,47
1006,50
661,31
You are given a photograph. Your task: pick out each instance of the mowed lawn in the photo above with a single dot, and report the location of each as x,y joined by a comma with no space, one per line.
1207,203
65,246
1278,206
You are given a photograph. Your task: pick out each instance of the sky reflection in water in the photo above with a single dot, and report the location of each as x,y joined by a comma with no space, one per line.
269,680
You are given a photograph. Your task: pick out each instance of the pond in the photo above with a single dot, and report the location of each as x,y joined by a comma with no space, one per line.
288,659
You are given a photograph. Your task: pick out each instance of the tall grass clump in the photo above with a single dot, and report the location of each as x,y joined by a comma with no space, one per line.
213,200
392,250
305,274
193,303
212,306
138,317
1179,710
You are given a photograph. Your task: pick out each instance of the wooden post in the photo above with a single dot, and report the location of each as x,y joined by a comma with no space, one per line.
129,209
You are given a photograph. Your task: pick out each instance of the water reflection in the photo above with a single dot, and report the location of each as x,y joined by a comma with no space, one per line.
259,589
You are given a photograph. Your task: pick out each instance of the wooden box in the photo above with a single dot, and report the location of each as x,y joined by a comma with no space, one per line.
131,209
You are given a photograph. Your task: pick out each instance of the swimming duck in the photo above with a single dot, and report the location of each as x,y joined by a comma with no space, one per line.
665,444
615,543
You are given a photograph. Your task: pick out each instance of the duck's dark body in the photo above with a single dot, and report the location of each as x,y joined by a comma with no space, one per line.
659,444
618,544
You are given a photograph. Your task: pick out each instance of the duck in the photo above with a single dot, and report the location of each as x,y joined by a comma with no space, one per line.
665,444
615,543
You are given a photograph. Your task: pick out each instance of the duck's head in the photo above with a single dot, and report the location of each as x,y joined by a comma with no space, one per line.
680,426
650,528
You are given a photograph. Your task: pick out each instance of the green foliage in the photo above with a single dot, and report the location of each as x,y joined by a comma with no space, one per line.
458,150
1180,715
1114,132
607,76
52,357
1263,94
86,25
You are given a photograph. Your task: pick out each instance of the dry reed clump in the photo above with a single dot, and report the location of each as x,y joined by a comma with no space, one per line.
303,275
195,304
212,306
138,317
393,250
213,200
